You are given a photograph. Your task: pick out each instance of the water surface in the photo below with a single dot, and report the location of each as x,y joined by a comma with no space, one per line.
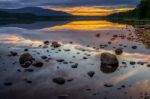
82,43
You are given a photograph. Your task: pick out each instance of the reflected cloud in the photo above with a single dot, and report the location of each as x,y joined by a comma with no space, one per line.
106,69
14,39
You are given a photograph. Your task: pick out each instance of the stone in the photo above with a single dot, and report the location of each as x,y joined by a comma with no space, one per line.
108,59
46,42
13,53
55,44
134,47
108,85
59,80
38,64
26,60
7,83
119,51
91,73
75,65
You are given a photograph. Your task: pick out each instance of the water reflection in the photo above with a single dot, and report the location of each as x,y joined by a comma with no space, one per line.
34,25
81,46
107,69
87,25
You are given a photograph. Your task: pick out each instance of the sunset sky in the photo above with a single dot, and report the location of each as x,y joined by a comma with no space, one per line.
75,7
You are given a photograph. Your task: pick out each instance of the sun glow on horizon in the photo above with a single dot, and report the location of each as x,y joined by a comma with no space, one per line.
90,11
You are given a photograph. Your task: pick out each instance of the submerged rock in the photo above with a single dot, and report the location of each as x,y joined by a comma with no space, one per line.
59,80
26,60
119,51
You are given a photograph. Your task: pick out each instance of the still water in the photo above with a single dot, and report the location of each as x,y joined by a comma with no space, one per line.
82,43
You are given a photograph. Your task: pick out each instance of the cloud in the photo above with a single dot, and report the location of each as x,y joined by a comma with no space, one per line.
66,3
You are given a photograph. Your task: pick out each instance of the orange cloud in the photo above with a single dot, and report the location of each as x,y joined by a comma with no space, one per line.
90,11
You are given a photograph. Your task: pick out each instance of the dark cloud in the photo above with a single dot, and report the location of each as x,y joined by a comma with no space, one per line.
67,3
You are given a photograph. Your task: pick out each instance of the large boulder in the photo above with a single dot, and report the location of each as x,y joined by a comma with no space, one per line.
109,59
109,62
26,60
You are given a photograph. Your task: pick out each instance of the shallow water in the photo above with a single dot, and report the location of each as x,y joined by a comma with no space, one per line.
78,40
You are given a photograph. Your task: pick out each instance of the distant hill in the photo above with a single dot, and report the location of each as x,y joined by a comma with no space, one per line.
37,11
142,11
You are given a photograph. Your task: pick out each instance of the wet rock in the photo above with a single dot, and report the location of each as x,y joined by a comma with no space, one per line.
60,60
59,80
46,42
62,96
134,47
7,83
26,60
119,51
97,35
13,53
38,64
132,63
26,50
44,57
148,65
108,85
141,63
67,50
108,59
28,81
28,70
123,86
71,79
75,65
91,73
55,44
85,58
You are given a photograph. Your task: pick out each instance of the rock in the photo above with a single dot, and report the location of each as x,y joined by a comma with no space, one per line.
44,57
28,70
38,64
134,47
75,65
97,35
26,50
108,59
59,80
13,53
91,73
7,83
26,60
148,65
62,96
132,63
85,58
108,85
28,81
55,44
69,80
46,42
60,60
119,51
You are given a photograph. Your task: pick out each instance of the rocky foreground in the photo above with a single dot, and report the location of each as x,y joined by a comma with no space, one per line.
57,70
